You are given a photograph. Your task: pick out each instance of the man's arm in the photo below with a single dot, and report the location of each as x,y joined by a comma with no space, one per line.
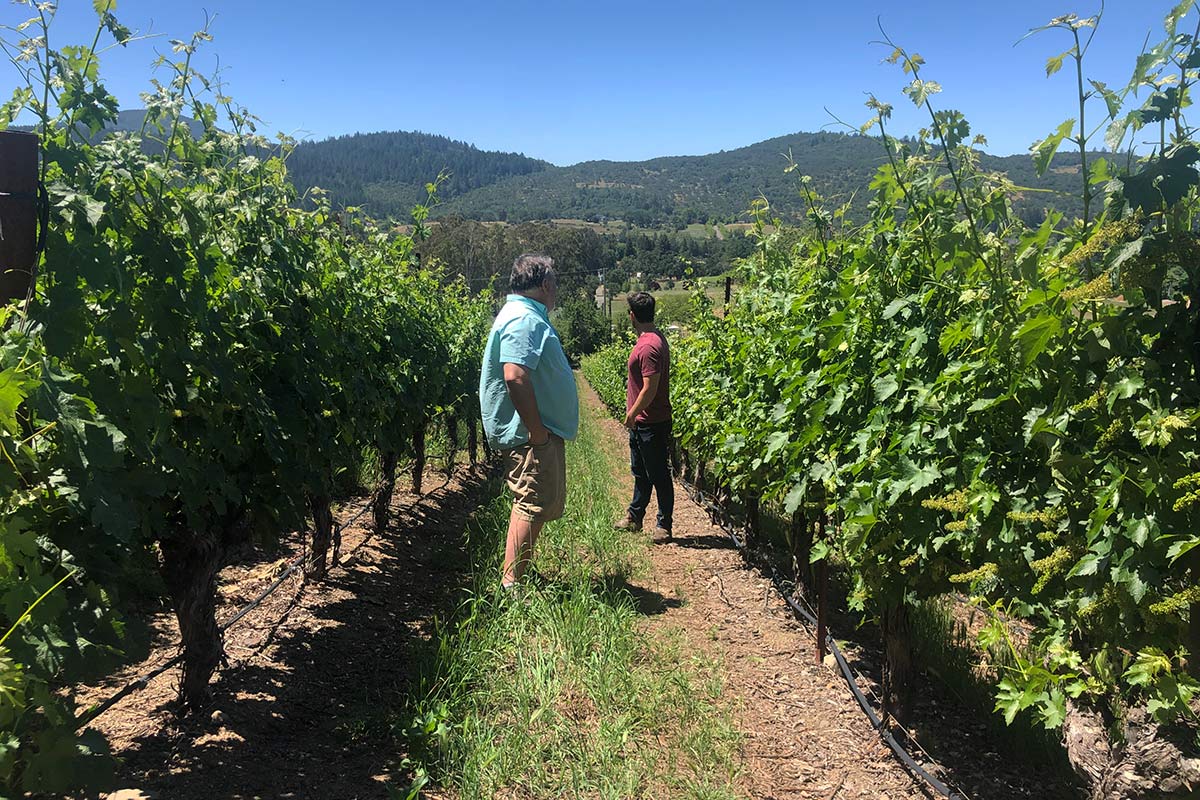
517,379
644,398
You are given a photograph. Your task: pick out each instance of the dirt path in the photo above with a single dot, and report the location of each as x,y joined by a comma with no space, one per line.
305,708
804,735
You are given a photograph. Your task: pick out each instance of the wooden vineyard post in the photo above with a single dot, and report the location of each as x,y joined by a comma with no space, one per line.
728,290
1193,631
801,547
753,523
18,213
418,445
822,593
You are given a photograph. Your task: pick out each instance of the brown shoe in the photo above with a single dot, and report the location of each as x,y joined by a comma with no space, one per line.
662,535
626,523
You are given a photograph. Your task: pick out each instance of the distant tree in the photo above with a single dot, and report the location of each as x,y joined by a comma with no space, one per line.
584,329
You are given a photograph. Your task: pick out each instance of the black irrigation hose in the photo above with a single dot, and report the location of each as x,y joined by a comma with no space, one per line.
908,762
140,683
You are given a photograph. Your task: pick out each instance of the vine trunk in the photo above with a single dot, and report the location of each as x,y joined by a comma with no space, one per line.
189,564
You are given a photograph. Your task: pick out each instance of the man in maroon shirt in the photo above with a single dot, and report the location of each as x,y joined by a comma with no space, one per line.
648,418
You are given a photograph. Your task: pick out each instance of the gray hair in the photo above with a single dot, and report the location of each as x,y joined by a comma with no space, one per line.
530,271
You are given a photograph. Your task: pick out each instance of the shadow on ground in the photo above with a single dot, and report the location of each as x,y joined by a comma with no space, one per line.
966,747
704,542
646,602
315,716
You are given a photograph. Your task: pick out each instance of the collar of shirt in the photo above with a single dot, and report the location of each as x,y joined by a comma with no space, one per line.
538,307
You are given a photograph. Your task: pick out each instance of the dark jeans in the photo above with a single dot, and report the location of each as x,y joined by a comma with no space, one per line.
650,462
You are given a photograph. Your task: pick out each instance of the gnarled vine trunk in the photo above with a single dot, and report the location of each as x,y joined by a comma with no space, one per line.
383,494
1151,763
472,441
452,437
896,627
418,446
322,533
189,565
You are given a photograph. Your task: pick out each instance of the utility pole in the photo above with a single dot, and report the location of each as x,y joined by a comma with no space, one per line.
18,213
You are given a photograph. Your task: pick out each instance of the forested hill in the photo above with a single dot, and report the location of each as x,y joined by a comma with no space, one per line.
387,172
683,189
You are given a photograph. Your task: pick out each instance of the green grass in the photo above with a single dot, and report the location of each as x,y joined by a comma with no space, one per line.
564,693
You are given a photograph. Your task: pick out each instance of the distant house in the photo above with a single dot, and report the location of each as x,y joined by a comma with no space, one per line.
601,296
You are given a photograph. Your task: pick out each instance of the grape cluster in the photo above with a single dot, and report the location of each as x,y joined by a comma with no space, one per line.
1046,516
982,573
1118,231
954,503
1190,486
1097,288
1092,403
1176,603
1112,434
1054,564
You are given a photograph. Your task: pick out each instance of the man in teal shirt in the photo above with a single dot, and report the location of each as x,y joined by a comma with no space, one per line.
529,406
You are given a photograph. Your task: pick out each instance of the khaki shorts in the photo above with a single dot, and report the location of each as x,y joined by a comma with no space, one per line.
537,477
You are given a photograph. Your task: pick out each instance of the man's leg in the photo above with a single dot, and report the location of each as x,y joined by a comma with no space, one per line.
539,484
642,484
518,551
656,456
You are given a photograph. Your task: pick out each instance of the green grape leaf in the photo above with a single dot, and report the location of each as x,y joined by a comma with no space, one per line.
1044,149
1035,335
1054,63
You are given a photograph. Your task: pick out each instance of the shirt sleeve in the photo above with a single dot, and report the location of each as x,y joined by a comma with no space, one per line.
651,360
522,344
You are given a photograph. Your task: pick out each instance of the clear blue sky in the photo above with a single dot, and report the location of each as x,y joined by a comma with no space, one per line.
570,81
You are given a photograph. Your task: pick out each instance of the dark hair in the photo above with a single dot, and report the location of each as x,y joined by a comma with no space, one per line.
642,306
530,271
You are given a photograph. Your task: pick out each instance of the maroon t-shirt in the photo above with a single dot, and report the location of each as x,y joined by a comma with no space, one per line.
650,356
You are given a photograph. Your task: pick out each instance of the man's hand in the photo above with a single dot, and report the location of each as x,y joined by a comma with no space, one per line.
649,389
518,381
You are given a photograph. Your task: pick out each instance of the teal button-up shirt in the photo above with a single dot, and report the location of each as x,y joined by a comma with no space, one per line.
522,334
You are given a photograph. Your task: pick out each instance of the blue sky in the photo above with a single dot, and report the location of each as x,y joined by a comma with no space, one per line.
572,81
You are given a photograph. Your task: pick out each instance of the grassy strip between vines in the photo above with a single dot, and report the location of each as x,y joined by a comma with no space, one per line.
560,692
981,407
201,363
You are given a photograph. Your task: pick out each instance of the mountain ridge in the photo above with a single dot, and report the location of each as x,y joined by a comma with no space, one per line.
678,190
386,173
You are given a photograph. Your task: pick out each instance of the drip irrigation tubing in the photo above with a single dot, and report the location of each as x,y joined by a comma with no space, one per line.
909,763
142,682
